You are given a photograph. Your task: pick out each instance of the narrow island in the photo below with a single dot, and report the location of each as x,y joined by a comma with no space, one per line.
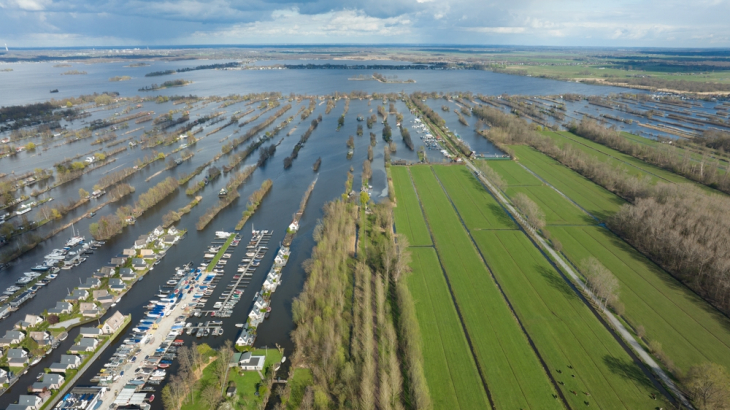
120,78
382,79
6,70
138,65
74,72
166,84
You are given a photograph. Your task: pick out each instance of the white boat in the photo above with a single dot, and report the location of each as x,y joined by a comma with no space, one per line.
239,325
23,209
75,240
223,234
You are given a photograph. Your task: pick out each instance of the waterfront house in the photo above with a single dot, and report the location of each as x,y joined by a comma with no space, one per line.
3,376
12,337
88,309
27,402
61,308
250,362
77,295
106,301
118,261
86,344
113,323
50,381
147,253
158,231
127,274
172,231
17,357
169,239
104,272
29,321
68,361
139,264
42,338
140,243
129,252
90,332
91,283
100,293
117,285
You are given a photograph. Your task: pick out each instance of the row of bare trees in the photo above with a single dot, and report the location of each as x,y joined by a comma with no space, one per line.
687,232
701,167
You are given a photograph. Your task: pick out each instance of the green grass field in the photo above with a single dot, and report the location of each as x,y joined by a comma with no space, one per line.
563,328
593,198
634,166
513,174
484,211
690,331
452,375
558,211
408,213
513,373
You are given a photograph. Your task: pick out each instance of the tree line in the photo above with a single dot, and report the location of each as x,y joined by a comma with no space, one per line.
702,168
361,354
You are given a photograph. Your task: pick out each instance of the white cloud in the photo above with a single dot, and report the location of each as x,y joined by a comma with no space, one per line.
498,30
28,5
343,25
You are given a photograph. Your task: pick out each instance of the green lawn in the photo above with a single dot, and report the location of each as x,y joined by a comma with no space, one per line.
452,375
513,174
557,209
690,331
593,198
513,373
563,328
246,382
484,212
408,211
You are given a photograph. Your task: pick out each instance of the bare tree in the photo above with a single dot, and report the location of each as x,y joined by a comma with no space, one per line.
600,280
534,215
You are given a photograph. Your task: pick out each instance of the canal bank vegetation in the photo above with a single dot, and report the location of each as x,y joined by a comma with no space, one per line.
254,201
356,328
302,140
232,188
166,84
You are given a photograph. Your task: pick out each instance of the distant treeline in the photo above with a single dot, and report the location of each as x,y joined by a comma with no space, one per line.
166,84
429,66
186,69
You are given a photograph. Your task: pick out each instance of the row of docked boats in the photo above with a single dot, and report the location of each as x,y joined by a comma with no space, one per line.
25,288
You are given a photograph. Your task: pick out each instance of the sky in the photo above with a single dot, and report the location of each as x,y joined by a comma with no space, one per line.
604,23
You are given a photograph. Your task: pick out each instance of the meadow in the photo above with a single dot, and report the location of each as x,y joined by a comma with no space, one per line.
688,328
512,370
452,375
563,328
598,201
407,212
633,165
